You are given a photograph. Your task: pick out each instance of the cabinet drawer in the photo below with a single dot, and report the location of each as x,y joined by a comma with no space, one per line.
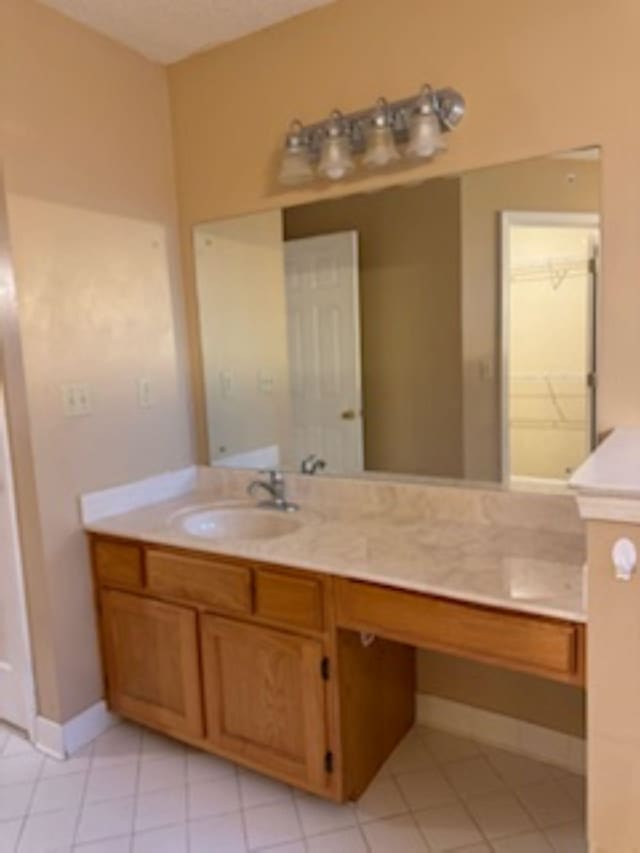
552,648
118,564
290,599
210,582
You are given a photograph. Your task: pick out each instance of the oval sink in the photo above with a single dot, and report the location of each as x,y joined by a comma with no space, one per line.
239,523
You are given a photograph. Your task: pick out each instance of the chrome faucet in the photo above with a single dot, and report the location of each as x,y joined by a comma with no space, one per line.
275,487
311,464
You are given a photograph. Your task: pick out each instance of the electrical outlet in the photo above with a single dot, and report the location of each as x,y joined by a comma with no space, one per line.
145,393
76,399
266,382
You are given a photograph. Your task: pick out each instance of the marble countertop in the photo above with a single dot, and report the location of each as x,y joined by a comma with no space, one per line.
513,567
614,466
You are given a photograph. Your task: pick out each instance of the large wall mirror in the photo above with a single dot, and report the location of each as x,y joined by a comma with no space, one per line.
439,329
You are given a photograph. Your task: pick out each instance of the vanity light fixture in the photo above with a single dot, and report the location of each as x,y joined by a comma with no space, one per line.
412,127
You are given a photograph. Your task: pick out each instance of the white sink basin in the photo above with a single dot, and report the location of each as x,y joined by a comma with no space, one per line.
238,523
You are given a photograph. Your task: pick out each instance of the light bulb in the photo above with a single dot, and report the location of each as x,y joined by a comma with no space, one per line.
335,155
381,146
295,167
425,133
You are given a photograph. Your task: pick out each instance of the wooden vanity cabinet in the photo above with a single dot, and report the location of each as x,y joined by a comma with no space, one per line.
245,660
272,667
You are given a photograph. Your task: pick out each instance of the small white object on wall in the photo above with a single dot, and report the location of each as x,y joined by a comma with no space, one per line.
625,559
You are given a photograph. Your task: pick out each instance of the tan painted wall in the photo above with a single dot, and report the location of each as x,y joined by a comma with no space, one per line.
243,328
85,141
537,700
410,321
614,695
539,184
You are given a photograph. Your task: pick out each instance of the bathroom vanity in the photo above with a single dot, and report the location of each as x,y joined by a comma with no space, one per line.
293,654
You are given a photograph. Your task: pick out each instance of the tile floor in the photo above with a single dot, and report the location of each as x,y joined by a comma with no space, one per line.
135,791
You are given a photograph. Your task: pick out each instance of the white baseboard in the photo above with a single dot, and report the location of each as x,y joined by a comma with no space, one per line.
537,742
60,740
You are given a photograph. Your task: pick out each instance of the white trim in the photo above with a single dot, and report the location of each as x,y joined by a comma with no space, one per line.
509,218
499,730
609,508
60,740
95,506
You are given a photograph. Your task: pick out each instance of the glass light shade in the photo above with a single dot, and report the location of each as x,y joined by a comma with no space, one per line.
425,137
295,167
335,157
381,148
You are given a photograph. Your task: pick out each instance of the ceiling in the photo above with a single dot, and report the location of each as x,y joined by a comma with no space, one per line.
168,30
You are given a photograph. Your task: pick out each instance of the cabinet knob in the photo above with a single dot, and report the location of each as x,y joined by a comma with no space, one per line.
348,415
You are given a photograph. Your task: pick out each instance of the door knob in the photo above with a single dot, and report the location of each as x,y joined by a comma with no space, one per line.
348,415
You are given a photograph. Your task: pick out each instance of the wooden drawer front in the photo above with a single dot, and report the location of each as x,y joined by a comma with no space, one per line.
209,582
118,564
290,600
530,643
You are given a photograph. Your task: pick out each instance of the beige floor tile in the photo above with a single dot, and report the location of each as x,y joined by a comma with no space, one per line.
548,803
214,797
15,800
48,832
111,782
108,819
425,788
79,762
171,839
568,838
118,745
500,815
531,842
160,808
224,833
343,841
473,776
63,793
273,824
109,845
165,772
381,799
410,754
202,766
448,827
393,835
20,769
319,816
259,790
517,769
9,833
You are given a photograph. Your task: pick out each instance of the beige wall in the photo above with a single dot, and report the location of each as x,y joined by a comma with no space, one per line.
243,333
540,184
408,244
614,694
516,694
85,141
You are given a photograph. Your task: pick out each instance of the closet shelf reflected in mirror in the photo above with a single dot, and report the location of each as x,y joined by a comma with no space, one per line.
453,320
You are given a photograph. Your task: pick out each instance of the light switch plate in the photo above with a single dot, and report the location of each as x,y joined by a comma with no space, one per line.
146,397
76,399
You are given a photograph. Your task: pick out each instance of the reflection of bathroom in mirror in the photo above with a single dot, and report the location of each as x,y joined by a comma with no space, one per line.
440,329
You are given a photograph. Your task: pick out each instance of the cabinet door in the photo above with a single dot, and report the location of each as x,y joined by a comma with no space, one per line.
151,659
265,699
